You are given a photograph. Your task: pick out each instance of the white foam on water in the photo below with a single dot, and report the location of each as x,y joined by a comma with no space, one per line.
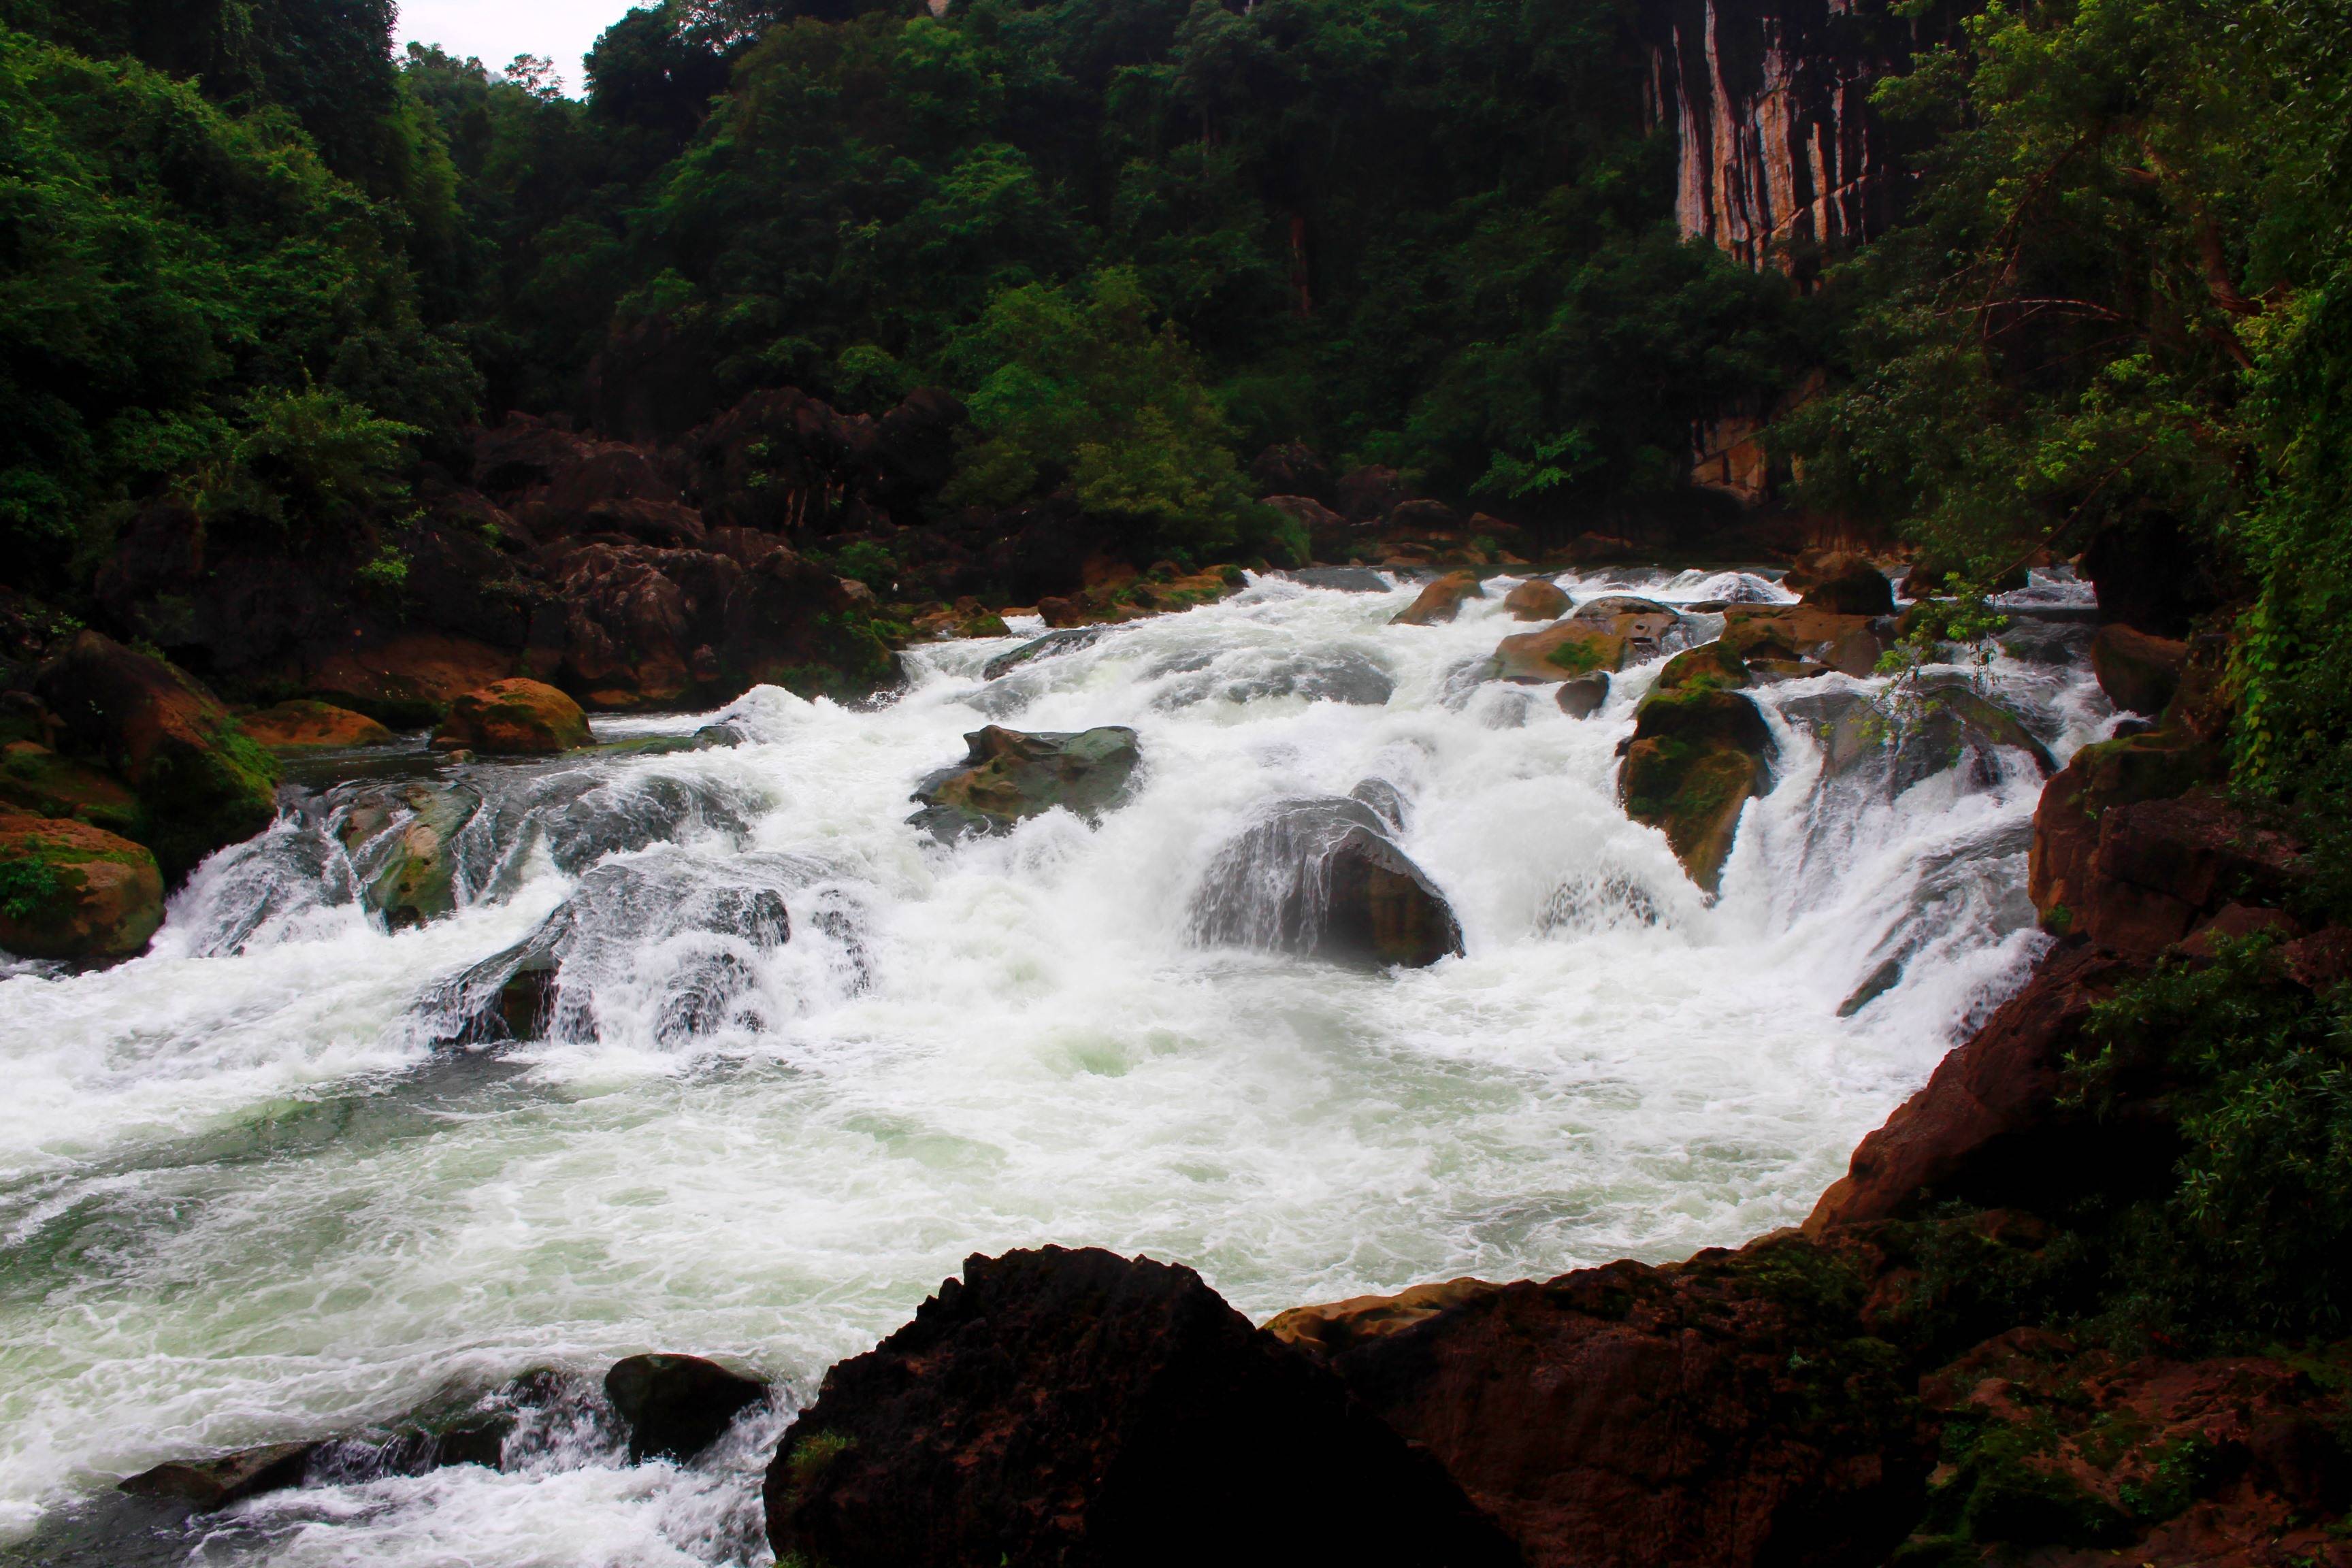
245,1199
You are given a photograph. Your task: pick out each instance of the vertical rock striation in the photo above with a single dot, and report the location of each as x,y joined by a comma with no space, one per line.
1780,157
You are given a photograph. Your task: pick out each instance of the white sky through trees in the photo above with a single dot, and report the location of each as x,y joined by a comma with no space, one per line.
499,30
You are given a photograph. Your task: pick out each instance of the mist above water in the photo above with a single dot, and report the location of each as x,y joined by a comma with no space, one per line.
246,1197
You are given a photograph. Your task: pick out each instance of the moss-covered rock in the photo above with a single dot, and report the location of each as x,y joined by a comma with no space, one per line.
1716,666
1698,753
1850,644
1536,599
71,891
306,725
200,780
1562,651
1007,776
513,718
35,779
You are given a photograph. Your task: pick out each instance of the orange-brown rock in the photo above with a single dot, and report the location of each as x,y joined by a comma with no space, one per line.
1849,643
1989,1126
74,891
304,725
1536,599
408,678
513,718
2162,869
1559,651
1441,601
1706,1414
1699,755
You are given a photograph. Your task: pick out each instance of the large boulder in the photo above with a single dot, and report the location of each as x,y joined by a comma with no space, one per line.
1990,1126
2160,870
34,779
677,1406
1726,1412
1441,601
1697,756
402,842
1007,776
1951,725
1848,585
2138,672
1082,1410
303,725
404,677
1562,651
2067,823
1322,878
74,891
514,717
1536,599
201,783
214,1483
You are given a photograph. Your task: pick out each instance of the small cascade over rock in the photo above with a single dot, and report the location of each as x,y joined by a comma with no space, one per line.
1321,878
1007,776
678,946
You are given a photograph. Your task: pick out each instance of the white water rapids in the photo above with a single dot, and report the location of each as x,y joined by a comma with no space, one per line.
243,1199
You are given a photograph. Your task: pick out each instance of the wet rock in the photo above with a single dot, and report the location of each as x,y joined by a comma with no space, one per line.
1559,652
1728,1411
514,717
1321,878
201,783
1990,1126
1950,726
1441,601
402,839
1342,676
1345,579
677,1406
1386,800
1845,584
2138,672
1852,644
209,1484
1715,665
1536,599
312,726
1080,1408
70,890
1581,697
1645,629
1007,776
1053,644
682,937
1697,756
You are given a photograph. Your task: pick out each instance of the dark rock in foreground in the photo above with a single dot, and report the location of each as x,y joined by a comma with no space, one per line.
1321,878
1724,1412
677,1406
1083,1409
1007,776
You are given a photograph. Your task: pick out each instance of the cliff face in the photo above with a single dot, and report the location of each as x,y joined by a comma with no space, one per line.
1781,156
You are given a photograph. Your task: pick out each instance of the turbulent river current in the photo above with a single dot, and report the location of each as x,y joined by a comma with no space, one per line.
807,1058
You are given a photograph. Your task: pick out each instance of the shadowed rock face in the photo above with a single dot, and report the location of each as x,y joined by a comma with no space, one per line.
1322,878
1084,1410
677,1406
1712,1413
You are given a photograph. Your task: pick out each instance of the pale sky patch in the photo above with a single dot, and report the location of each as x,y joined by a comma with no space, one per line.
498,30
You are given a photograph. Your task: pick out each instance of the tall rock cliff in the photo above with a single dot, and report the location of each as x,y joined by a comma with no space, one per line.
1781,158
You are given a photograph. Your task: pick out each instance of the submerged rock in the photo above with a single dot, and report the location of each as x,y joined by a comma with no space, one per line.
1070,639
1441,601
73,891
1698,755
1076,1407
1949,726
209,1484
513,718
1343,579
402,839
1007,776
677,1406
1320,878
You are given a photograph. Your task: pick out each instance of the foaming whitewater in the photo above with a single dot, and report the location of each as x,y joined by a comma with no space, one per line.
267,1183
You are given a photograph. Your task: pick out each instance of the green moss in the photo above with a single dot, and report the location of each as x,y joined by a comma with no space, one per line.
29,886
198,799
1578,655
